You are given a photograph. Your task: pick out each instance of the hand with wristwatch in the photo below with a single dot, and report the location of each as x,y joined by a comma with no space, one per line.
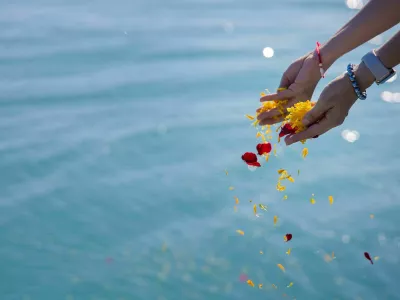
302,76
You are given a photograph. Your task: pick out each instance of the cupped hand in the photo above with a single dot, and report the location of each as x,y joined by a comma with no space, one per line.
299,81
330,110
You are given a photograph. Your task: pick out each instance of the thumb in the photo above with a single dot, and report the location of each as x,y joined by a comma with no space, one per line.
315,114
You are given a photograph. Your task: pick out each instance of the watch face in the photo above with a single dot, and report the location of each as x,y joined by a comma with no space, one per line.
390,75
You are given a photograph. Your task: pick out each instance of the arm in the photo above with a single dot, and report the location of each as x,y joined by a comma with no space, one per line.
374,18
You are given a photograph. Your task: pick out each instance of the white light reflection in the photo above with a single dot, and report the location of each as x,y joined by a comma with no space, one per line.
350,135
268,52
390,97
354,4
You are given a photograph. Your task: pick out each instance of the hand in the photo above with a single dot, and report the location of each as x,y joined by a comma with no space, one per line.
333,105
300,80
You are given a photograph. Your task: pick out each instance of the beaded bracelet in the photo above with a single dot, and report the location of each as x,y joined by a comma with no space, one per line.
357,90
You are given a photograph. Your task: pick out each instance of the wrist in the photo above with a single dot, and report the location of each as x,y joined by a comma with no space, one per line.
364,76
329,54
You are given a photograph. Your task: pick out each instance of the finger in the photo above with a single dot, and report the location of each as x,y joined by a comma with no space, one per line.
317,112
276,112
274,120
285,82
282,95
316,129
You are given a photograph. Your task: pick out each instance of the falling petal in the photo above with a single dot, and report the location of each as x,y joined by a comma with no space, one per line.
226,172
260,286
330,200
304,152
290,284
235,208
367,256
281,267
285,197
263,207
261,252
275,220
241,232
236,200
251,118
312,201
371,216
274,286
250,283
289,251
263,148
255,209
250,201
231,188
243,277
258,135
287,237
376,257
164,247
327,258
333,255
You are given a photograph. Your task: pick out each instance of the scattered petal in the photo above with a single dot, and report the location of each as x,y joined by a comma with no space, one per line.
371,216
327,258
241,232
312,201
275,220
243,277
367,256
333,255
286,129
255,209
250,201
264,148
164,247
287,237
235,208
376,257
226,172
298,172
236,200
251,118
330,200
285,197
231,188
289,251
274,286
249,157
304,153
250,283
290,284
259,134
263,207
261,252
260,286
281,267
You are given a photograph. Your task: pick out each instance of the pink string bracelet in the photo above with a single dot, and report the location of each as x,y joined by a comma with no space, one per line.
321,69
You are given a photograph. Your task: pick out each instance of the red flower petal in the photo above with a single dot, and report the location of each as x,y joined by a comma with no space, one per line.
366,254
249,157
264,148
288,237
254,164
287,129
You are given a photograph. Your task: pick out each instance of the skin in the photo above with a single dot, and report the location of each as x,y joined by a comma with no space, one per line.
338,96
303,75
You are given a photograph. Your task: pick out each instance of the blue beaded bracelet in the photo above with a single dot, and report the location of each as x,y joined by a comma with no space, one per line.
357,90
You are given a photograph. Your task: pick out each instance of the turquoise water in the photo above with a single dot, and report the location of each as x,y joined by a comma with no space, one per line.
117,121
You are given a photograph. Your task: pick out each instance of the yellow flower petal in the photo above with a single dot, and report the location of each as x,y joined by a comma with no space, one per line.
290,178
251,118
281,267
263,207
262,94
275,220
330,200
261,252
304,152
258,135
312,201
231,188
226,172
290,284
327,258
236,200
266,157
274,286
289,251
285,197
250,283
376,257
241,232
260,286
255,209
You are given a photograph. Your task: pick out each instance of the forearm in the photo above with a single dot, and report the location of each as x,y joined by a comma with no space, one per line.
374,18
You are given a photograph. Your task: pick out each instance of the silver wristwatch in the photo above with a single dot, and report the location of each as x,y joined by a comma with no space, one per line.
374,64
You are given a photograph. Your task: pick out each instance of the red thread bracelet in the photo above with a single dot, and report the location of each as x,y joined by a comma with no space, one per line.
321,69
